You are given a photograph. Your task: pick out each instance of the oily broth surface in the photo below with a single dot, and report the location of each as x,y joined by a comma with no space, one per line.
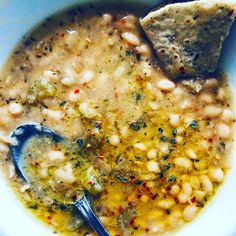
160,149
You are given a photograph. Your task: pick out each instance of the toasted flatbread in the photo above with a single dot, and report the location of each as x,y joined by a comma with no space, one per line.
188,37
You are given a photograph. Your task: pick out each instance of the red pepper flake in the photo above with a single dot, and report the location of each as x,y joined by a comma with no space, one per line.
55,148
154,196
130,203
139,195
91,183
74,198
49,218
168,188
105,191
132,179
147,230
120,209
123,21
163,180
62,35
101,157
210,140
36,163
132,222
193,199
76,91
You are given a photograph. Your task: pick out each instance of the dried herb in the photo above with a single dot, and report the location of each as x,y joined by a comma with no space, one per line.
193,124
172,178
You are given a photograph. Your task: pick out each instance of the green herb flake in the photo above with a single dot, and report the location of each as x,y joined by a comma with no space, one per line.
163,138
34,207
138,182
122,179
174,132
137,97
107,140
160,130
138,158
168,166
173,141
77,164
172,178
193,124
128,52
136,126
63,103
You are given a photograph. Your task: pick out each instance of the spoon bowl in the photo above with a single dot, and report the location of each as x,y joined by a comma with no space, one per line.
21,136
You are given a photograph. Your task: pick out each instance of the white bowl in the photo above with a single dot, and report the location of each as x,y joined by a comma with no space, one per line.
17,17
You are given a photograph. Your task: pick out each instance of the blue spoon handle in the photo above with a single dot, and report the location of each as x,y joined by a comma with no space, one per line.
85,209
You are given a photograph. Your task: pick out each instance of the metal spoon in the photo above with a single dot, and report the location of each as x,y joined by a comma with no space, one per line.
21,136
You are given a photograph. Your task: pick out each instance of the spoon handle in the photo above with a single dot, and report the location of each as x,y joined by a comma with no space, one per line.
85,209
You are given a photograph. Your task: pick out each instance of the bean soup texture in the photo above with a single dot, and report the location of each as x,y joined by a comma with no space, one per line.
150,152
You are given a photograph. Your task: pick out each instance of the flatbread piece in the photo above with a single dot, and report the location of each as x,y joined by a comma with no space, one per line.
188,37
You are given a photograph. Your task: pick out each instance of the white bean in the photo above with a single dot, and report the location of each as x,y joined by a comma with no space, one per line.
86,77
114,140
199,195
165,85
154,105
143,50
107,19
140,146
56,156
183,163
206,184
153,166
211,111
68,81
211,83
223,131
152,154
65,174
194,181
185,104
220,94
166,203
185,193
206,98
227,115
215,174
15,108
190,212
86,111
175,189
74,97
53,114
131,38
191,154
174,120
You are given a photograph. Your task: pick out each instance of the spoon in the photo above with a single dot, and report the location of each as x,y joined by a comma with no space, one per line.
21,135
